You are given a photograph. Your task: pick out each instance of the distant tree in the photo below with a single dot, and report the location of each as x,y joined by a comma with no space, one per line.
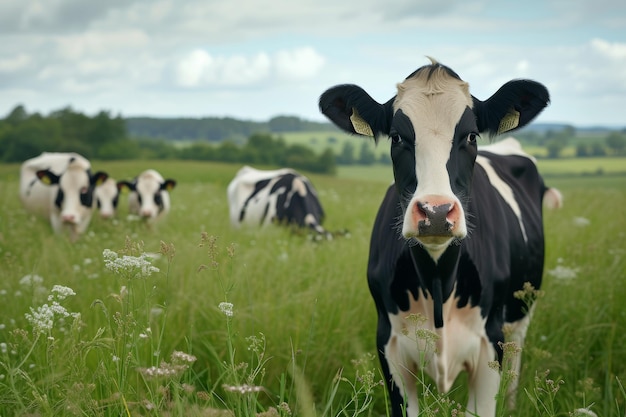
555,146
597,149
582,150
326,162
384,158
367,156
17,115
346,156
228,152
616,142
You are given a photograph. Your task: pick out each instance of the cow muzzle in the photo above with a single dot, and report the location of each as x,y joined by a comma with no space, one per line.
434,218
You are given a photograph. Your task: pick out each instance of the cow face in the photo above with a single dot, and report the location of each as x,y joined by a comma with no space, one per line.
107,198
433,124
74,197
149,194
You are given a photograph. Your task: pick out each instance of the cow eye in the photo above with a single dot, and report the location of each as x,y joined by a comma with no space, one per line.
472,137
396,139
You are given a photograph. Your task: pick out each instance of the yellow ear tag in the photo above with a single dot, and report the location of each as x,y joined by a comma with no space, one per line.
45,179
509,122
360,126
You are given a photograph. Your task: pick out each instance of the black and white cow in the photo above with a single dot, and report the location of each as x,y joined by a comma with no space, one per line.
149,196
257,198
60,186
456,235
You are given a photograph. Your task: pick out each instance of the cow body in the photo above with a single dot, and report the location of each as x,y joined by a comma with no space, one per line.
107,198
149,195
60,186
458,232
258,198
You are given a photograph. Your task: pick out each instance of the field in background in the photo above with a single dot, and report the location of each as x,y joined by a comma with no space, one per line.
319,141
308,301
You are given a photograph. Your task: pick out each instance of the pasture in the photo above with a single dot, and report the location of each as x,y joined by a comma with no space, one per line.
272,322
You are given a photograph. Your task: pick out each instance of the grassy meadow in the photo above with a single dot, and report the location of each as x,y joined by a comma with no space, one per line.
271,322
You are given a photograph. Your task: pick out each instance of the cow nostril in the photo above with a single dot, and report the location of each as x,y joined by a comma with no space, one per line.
435,216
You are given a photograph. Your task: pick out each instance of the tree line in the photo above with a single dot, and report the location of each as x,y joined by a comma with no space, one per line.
105,137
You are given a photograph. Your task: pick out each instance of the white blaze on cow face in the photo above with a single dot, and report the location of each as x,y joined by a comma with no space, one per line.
434,104
106,195
74,184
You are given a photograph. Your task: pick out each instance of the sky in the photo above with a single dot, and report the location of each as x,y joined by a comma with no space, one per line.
257,59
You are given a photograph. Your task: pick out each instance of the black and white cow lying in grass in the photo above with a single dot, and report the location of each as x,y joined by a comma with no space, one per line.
258,198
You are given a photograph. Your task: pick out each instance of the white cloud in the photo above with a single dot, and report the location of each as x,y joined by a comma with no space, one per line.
201,69
15,63
612,50
298,64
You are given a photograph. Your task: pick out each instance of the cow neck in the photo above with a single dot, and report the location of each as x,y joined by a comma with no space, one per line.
438,276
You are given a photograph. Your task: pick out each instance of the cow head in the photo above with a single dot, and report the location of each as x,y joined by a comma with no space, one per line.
149,188
74,197
107,198
433,124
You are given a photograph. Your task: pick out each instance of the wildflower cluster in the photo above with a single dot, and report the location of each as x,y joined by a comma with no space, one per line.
226,308
528,294
127,265
42,318
180,362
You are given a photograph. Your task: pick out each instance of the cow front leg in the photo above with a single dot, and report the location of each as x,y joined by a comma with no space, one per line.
484,381
403,384
517,335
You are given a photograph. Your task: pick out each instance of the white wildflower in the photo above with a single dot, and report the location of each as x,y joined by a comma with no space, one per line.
31,280
564,272
60,292
42,318
581,222
130,266
3,347
178,357
226,308
580,412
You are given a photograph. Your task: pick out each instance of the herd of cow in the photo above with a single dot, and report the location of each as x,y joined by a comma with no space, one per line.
458,233
61,187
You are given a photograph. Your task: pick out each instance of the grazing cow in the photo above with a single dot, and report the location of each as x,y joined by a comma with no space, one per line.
107,197
149,197
457,234
60,186
258,198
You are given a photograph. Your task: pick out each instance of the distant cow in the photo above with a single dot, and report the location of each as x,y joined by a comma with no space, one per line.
458,233
60,186
149,197
107,197
258,198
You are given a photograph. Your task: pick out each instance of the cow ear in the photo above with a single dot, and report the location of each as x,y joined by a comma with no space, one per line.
125,186
168,185
47,177
513,106
99,178
351,109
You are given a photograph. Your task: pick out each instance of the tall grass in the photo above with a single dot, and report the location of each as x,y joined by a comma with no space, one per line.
270,322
